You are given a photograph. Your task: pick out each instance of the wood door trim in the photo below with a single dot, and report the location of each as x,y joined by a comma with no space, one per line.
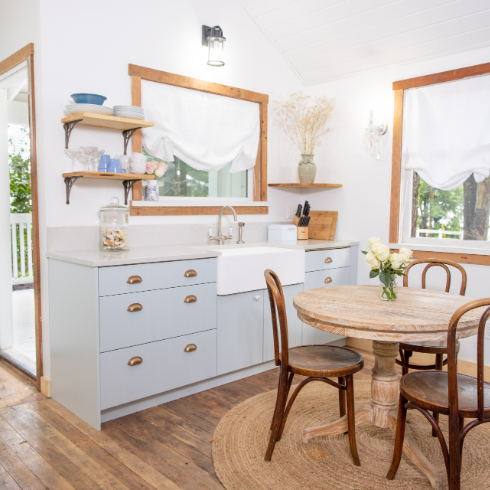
139,73
27,54
399,88
455,257
193,210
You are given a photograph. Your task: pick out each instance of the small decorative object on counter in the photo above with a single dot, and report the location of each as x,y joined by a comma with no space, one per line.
387,266
304,124
157,169
114,227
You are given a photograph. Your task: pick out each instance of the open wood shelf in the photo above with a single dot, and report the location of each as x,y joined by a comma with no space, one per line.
303,186
108,176
127,180
112,122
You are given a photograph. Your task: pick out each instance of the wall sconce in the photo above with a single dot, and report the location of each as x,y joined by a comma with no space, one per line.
212,37
374,131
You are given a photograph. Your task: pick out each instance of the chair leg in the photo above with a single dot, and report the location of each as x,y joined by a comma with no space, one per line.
407,355
342,398
400,436
278,413
291,376
454,480
351,419
439,365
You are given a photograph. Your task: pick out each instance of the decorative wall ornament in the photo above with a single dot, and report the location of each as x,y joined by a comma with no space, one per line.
372,137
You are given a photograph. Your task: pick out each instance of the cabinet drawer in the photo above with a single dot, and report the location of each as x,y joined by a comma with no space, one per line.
327,259
190,272
141,277
165,365
156,315
334,277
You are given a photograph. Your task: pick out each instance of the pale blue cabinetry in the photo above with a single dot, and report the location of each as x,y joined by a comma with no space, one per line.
240,330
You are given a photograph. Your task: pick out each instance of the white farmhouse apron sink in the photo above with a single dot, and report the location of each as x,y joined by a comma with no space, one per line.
242,269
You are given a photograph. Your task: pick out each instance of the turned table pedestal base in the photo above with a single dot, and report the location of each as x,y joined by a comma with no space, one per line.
383,409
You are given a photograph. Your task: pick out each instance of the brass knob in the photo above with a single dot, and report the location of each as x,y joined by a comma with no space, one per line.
190,273
134,307
190,299
328,260
328,279
190,348
134,361
134,280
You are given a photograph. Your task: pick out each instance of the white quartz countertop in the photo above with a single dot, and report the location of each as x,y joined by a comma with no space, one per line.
167,253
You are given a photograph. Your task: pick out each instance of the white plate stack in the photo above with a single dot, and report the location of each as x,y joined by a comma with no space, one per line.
129,111
93,108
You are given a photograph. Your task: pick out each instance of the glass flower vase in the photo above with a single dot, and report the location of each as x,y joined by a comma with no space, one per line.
389,291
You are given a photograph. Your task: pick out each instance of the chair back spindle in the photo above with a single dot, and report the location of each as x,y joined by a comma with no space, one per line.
276,299
438,263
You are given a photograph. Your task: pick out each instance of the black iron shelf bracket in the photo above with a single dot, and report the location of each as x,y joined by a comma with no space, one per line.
127,136
128,185
69,181
68,127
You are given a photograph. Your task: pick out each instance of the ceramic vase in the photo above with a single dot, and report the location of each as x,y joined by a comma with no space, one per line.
389,291
151,190
306,169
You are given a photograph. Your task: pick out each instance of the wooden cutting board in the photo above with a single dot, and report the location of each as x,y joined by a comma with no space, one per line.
323,225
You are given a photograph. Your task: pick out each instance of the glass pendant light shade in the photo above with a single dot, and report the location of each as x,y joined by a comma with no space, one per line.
214,40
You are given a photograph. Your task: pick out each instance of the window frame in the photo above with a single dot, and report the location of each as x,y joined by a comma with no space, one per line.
256,206
465,254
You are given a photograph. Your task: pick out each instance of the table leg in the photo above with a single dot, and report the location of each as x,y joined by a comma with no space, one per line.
382,410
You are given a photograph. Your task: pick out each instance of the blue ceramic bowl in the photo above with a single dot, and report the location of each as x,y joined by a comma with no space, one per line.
88,98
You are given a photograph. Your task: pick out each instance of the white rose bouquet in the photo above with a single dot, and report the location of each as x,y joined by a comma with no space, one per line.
387,266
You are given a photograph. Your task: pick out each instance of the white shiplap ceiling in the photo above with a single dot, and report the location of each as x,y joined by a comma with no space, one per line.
326,40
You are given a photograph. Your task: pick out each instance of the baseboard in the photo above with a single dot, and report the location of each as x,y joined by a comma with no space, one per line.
46,386
464,367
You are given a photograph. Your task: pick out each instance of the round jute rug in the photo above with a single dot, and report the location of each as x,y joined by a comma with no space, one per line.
241,438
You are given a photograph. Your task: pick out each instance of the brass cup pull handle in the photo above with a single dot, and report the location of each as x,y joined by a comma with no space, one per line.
190,348
134,280
328,279
134,361
190,273
328,260
135,307
190,299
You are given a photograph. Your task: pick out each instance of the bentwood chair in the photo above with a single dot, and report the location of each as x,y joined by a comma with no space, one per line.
316,362
438,348
449,393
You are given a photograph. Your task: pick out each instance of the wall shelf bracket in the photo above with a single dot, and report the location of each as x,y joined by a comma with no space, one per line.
128,185
68,127
69,181
127,136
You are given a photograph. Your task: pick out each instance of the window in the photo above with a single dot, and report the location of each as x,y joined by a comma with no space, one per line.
181,180
441,166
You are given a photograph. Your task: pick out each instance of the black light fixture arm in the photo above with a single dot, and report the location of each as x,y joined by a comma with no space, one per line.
214,31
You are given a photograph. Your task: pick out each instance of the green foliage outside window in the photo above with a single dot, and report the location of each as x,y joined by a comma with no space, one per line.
20,170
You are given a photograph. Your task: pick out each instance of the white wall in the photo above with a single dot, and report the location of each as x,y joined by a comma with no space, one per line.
364,201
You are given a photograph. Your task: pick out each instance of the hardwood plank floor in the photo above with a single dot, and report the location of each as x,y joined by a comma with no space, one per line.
168,447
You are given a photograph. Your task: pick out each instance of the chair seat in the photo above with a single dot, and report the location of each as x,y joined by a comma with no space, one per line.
323,361
431,347
429,390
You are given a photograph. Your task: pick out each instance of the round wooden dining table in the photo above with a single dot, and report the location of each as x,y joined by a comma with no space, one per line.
358,311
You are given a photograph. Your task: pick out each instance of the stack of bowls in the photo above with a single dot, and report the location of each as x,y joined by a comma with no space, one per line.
88,103
129,111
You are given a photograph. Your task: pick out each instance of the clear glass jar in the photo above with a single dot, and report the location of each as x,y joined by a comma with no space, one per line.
389,291
114,227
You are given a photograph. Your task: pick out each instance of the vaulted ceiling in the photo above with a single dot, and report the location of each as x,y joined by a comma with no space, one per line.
326,40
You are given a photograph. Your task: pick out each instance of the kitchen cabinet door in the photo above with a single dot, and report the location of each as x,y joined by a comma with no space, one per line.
240,330
313,280
294,324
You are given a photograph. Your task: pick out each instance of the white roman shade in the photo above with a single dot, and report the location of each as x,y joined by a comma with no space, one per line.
204,130
446,132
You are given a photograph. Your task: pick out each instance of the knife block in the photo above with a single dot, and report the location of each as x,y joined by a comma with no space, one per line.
322,225
302,233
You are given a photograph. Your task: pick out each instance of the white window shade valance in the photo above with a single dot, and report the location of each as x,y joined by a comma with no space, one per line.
204,130
446,132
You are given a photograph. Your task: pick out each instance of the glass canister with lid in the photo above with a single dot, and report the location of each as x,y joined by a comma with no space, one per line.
114,227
